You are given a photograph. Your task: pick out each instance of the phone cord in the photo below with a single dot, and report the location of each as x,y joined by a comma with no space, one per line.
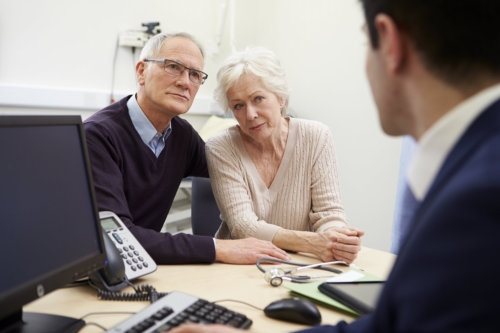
143,292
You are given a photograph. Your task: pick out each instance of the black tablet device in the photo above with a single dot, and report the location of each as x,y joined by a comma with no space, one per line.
359,296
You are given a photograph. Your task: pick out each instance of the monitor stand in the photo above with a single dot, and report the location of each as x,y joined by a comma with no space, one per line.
44,323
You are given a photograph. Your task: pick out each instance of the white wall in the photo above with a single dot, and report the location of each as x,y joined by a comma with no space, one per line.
56,56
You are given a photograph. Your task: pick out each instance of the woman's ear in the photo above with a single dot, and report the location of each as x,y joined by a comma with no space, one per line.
281,101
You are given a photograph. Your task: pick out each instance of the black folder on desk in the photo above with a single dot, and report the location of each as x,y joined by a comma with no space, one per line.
361,297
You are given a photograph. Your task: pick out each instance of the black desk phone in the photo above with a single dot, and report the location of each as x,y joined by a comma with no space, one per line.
127,259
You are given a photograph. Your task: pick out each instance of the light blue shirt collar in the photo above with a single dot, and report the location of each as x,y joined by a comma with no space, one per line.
149,135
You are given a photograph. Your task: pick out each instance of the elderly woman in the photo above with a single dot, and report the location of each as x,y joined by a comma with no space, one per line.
275,177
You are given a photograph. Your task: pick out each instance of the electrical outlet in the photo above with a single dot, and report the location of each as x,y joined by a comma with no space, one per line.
133,38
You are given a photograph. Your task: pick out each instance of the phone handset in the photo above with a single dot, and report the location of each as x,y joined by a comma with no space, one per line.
127,259
112,277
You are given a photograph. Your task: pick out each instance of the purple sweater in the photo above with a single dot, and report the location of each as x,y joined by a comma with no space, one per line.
139,187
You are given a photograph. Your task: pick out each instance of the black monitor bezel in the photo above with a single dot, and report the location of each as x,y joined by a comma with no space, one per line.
12,301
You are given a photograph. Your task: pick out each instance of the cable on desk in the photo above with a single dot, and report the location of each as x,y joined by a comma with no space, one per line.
107,313
104,329
103,313
143,292
237,301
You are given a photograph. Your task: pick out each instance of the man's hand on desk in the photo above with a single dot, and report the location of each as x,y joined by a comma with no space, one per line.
196,328
246,250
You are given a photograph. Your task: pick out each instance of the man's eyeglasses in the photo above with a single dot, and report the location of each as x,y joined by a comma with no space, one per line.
176,68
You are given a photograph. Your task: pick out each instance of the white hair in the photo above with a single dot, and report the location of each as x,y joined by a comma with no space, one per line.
258,61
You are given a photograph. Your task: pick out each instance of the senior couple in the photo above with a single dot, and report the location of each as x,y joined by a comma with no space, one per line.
274,177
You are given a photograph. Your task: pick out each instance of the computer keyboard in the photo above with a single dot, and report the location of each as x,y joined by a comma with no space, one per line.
177,308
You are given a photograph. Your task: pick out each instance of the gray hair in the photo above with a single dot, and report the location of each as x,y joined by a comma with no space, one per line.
154,44
258,61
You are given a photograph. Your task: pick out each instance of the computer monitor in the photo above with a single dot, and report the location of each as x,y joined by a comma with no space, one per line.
50,233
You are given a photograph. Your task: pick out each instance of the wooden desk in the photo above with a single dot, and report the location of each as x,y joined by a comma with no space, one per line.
212,282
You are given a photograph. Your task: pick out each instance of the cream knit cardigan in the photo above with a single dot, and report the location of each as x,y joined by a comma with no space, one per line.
304,194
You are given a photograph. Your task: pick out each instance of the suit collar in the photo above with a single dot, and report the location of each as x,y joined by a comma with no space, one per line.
437,143
483,127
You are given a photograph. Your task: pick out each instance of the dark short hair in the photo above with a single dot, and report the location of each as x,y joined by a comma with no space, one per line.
457,39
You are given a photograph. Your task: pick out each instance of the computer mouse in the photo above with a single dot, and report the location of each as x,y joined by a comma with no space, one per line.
296,310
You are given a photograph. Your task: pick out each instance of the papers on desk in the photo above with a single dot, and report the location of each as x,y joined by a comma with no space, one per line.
351,275
310,290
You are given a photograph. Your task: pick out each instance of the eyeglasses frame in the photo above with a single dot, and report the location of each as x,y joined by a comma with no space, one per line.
204,75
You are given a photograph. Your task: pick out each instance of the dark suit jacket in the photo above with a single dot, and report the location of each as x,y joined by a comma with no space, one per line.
447,275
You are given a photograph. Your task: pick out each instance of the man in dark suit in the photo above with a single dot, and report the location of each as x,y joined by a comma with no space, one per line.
434,70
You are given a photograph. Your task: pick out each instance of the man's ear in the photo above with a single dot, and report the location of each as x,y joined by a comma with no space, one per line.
392,43
139,72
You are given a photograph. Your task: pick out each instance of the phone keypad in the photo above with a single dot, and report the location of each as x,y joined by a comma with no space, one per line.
133,258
